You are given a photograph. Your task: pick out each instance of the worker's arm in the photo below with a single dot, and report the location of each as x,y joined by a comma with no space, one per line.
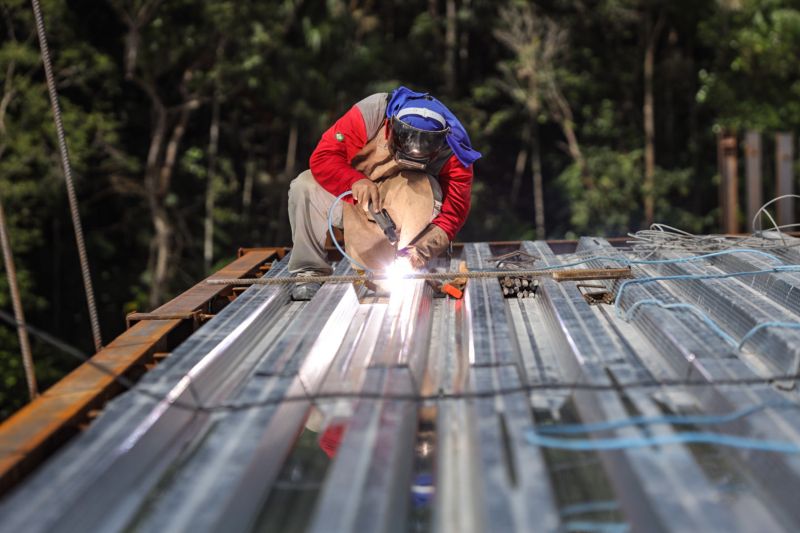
456,183
330,161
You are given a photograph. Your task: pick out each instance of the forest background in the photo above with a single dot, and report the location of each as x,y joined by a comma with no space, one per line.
186,120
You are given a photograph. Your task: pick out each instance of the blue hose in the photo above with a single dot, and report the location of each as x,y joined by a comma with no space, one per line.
593,445
333,237
695,420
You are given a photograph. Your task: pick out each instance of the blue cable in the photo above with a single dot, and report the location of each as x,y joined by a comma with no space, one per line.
333,237
626,283
598,527
604,506
756,329
696,420
702,314
593,445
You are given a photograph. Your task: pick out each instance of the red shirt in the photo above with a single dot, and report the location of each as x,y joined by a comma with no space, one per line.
330,165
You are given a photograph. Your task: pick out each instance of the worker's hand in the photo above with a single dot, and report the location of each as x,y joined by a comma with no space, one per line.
365,191
413,256
429,244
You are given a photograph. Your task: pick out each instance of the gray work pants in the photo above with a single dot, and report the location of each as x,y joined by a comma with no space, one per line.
309,204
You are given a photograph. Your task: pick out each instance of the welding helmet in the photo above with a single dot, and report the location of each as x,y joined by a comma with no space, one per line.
417,136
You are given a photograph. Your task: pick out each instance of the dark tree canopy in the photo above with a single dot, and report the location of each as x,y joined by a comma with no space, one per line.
186,120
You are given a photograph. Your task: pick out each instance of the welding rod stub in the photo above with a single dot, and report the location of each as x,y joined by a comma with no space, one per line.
583,274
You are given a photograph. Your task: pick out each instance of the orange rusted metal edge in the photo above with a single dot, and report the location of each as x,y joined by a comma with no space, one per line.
39,428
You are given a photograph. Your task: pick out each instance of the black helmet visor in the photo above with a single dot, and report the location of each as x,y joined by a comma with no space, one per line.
414,143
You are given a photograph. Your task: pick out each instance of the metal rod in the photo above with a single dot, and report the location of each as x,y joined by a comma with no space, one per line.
73,200
19,316
583,274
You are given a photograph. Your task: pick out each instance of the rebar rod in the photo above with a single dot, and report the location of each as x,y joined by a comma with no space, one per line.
19,316
73,200
582,274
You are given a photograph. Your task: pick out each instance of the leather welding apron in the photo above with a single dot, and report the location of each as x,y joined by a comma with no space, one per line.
407,195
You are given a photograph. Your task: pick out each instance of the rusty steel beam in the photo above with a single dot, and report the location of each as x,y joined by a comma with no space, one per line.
727,153
39,428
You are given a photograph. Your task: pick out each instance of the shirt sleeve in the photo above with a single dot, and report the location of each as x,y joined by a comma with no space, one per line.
456,182
330,161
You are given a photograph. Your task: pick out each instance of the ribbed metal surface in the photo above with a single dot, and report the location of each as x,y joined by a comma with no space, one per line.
413,412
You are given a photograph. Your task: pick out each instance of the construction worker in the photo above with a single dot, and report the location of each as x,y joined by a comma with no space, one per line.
379,138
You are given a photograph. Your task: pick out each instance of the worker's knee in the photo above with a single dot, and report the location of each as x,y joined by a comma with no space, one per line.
302,186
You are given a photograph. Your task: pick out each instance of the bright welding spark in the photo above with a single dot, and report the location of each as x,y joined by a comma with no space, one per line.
399,270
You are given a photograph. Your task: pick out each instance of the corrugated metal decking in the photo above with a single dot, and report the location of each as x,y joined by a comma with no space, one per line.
312,420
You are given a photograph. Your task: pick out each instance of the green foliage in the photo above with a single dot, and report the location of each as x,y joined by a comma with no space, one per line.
758,45
613,206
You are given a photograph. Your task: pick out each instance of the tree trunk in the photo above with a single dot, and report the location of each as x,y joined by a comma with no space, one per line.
522,160
651,38
247,188
157,192
451,48
463,46
288,175
562,114
538,182
161,244
211,183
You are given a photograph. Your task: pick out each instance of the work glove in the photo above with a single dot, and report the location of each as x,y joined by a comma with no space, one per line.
429,244
365,192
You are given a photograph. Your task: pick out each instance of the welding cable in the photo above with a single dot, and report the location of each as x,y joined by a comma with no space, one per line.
756,329
696,310
333,237
595,445
677,420
692,277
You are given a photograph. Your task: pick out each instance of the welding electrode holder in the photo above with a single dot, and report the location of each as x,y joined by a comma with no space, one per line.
386,224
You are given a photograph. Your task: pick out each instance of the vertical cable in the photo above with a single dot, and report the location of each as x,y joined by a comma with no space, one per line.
73,201
24,343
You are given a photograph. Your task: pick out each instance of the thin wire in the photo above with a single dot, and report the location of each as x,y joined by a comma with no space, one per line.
19,315
419,398
65,165
664,237
762,209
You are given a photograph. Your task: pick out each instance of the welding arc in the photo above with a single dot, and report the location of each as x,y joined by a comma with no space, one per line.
419,398
558,275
